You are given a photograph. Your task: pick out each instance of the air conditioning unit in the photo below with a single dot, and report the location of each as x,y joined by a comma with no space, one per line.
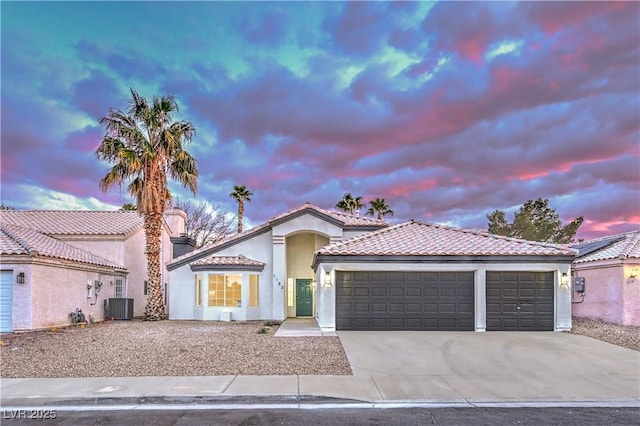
120,308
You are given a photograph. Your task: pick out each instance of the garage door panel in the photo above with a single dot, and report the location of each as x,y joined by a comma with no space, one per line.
406,301
413,307
520,301
396,292
379,292
396,307
412,292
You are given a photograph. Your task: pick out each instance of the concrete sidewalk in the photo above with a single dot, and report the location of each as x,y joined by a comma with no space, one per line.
318,389
459,369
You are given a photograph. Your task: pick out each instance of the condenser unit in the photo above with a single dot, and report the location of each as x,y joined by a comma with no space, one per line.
120,308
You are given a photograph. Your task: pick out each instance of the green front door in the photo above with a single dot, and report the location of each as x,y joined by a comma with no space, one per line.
304,298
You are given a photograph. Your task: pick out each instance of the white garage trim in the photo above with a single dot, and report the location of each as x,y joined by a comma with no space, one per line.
326,315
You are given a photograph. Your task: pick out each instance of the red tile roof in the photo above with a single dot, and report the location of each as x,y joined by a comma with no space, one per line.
74,222
622,246
345,219
227,261
15,240
421,239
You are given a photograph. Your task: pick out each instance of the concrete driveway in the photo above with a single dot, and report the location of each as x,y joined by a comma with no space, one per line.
493,367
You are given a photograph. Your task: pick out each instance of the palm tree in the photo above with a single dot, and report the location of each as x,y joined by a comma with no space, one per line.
349,203
379,207
240,194
145,146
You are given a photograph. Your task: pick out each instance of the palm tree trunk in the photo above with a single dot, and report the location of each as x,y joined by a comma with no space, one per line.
379,215
154,311
240,215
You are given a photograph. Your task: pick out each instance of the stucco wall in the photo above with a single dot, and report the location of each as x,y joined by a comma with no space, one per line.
609,294
182,285
52,291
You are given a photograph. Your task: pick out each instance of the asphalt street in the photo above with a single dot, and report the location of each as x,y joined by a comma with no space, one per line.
581,416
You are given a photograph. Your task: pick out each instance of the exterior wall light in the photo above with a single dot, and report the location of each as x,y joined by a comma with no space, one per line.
564,280
633,273
327,279
20,278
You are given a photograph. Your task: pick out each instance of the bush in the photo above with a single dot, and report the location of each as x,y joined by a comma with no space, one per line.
264,330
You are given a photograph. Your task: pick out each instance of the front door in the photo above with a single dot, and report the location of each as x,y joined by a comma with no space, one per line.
304,298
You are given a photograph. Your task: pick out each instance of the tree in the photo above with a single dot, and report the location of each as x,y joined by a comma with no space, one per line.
146,147
129,207
379,207
349,203
535,221
204,223
241,194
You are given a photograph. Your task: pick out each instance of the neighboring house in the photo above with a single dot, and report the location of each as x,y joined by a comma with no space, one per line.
354,273
52,263
610,267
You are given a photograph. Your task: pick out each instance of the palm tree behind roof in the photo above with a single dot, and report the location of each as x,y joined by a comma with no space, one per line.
241,194
379,207
349,203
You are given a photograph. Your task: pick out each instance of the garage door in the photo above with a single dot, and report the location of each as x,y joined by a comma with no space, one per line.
6,301
519,301
404,301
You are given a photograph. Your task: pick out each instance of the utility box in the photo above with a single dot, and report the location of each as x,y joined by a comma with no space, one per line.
120,308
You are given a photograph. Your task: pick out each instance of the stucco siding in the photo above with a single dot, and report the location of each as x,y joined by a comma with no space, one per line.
307,223
56,291
609,294
182,285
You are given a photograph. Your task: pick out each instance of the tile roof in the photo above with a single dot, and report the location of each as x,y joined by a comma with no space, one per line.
344,218
619,246
22,241
74,222
227,261
421,239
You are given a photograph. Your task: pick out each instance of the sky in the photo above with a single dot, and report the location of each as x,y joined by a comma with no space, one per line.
447,110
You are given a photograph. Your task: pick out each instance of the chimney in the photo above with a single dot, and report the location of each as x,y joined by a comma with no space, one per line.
182,245
180,241
175,219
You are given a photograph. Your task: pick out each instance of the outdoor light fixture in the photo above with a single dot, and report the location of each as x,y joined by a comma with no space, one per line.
633,273
564,281
327,278
20,278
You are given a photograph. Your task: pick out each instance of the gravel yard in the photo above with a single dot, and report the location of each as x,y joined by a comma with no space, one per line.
200,348
621,335
168,348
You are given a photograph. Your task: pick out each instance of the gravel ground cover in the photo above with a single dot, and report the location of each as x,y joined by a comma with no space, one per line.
167,348
621,335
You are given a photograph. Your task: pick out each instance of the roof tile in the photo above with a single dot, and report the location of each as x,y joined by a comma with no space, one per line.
624,246
420,239
74,222
22,241
227,261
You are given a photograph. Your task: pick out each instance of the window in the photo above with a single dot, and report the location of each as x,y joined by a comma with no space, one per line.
225,290
254,289
198,290
119,287
290,292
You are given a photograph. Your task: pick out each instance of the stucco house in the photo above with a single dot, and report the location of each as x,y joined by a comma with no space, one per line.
355,273
610,269
55,262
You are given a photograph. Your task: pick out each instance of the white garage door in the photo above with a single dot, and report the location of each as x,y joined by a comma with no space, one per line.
6,301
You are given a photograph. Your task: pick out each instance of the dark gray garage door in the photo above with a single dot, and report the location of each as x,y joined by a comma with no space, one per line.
404,301
519,301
